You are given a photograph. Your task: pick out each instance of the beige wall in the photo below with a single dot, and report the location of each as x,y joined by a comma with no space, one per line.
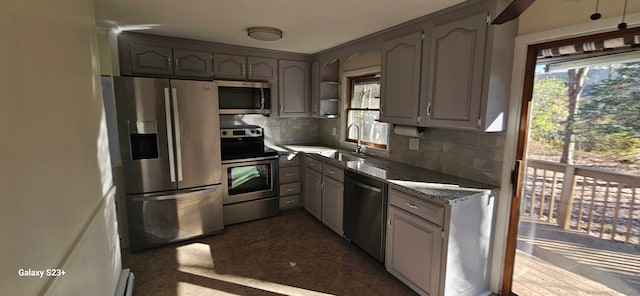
544,15
56,209
104,52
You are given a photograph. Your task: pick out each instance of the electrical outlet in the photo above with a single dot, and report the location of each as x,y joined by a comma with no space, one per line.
334,131
414,144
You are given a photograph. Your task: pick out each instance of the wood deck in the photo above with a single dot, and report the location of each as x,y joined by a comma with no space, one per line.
552,261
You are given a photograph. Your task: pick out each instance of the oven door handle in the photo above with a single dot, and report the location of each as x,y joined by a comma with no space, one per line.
243,160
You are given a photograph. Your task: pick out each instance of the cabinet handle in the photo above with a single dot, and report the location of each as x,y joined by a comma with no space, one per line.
243,70
429,109
177,64
381,107
289,174
331,172
169,63
290,202
281,107
250,70
412,206
290,189
389,221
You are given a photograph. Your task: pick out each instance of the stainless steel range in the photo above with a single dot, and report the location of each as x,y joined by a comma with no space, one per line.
249,174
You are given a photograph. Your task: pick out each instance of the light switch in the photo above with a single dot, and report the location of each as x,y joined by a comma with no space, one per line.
334,131
414,144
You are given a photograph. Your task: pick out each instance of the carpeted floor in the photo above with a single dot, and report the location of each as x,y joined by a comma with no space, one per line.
290,254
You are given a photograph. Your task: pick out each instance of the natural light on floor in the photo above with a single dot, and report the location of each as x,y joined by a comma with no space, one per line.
197,259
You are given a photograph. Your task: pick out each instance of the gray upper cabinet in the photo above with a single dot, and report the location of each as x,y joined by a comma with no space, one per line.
153,60
168,62
455,76
239,67
262,69
293,88
227,66
190,63
400,81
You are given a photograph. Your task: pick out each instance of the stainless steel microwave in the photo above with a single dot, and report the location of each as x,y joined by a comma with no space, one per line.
242,97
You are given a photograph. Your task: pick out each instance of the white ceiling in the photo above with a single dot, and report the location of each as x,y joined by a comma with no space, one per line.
308,26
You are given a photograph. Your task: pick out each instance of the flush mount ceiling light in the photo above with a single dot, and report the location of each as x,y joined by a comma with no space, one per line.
264,33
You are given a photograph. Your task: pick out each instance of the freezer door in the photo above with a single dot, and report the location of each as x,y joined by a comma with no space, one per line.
143,108
159,219
197,136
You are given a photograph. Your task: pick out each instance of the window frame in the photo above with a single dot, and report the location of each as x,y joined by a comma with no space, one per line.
351,83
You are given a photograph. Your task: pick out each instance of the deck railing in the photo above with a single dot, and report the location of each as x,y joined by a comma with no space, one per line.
597,202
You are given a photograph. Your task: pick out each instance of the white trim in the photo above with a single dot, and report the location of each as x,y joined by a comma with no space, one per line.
344,93
511,135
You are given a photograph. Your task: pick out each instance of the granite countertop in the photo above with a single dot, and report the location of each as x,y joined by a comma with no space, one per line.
430,185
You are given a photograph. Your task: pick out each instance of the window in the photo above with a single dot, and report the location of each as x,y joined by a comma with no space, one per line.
363,109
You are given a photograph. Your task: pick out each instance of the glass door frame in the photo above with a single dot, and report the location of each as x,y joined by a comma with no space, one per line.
521,142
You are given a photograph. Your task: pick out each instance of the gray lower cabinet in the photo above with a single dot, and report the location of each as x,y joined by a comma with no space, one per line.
400,80
455,78
313,192
440,249
290,182
414,247
166,61
332,201
323,192
240,67
293,88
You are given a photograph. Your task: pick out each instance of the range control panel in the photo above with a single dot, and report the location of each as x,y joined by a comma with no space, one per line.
250,131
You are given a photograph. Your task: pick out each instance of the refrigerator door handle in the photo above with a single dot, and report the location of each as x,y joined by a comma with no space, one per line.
167,114
176,116
174,196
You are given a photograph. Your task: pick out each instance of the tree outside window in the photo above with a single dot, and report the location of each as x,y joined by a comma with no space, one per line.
363,109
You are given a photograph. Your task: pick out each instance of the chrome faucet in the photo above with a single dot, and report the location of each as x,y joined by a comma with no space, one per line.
359,147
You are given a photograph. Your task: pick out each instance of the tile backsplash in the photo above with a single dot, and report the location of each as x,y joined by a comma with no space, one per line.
279,130
467,154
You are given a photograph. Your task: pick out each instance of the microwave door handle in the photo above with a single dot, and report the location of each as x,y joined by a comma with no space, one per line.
261,100
167,114
176,117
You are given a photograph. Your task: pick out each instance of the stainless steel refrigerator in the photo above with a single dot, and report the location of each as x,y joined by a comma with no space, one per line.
168,133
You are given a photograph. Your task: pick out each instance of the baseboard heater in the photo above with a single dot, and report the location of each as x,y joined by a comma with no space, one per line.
125,283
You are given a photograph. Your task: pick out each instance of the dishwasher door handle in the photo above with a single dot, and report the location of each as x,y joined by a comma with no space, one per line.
365,186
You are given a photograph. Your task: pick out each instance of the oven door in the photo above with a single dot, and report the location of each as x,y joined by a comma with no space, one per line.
249,179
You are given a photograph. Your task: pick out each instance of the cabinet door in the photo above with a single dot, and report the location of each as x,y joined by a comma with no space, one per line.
400,81
152,60
312,193
262,69
332,193
413,251
190,63
293,86
228,66
455,78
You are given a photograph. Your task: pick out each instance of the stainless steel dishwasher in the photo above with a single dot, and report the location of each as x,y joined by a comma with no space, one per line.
365,207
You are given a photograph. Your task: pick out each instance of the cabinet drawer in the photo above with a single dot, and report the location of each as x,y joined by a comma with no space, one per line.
289,174
418,207
287,161
314,164
290,189
289,202
333,172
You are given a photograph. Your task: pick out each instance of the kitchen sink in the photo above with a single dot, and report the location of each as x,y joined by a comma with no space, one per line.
344,156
